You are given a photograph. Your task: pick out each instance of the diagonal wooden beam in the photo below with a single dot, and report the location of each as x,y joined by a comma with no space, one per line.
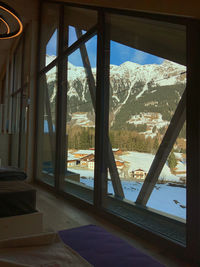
116,182
85,37
50,123
88,69
163,152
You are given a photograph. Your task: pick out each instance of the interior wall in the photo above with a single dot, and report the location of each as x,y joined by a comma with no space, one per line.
176,7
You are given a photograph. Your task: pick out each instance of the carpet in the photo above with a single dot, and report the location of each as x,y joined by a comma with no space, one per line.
103,249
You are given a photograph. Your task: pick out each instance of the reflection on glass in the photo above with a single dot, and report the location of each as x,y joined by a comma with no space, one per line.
80,126
51,48
47,126
15,128
144,93
72,36
77,19
17,68
27,55
49,34
24,127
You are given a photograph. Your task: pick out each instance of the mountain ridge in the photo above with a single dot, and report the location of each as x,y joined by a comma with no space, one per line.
134,89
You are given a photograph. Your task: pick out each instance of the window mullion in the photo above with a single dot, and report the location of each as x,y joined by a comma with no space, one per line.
193,139
60,159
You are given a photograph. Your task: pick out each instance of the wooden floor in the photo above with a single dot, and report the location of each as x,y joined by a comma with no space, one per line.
59,214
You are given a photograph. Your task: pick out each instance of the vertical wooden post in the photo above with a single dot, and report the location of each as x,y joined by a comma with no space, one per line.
60,162
117,186
193,139
102,113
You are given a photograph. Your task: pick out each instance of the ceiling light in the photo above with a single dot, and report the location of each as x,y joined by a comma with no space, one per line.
7,13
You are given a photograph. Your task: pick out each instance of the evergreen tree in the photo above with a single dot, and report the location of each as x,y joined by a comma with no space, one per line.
172,161
155,145
154,129
84,140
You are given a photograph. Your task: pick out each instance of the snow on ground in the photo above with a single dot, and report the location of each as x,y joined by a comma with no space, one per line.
168,81
163,198
82,119
179,156
84,173
151,119
145,88
70,156
138,160
49,59
84,152
180,166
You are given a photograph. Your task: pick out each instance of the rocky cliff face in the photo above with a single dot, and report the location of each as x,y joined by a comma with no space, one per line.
135,90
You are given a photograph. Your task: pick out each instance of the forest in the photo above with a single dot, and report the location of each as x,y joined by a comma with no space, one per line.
124,139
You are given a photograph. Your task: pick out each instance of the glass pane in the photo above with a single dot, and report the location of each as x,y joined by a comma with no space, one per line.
143,100
169,194
51,48
47,127
72,37
15,128
16,100
27,55
17,68
78,19
80,125
49,34
147,81
24,128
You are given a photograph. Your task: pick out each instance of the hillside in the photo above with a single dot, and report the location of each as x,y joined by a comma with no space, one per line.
141,96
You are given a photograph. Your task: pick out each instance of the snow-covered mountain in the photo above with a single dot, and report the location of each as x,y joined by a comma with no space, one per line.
135,90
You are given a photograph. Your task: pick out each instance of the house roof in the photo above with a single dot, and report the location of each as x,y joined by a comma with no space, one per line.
91,156
141,170
71,157
84,152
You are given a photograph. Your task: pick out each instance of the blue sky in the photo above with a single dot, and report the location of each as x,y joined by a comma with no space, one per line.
119,53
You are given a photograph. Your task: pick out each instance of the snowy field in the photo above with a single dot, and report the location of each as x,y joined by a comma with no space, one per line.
171,200
138,160
163,198
81,119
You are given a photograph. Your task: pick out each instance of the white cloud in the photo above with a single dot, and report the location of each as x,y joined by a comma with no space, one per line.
140,57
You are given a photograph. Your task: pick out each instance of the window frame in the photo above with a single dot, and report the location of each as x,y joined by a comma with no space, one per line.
192,245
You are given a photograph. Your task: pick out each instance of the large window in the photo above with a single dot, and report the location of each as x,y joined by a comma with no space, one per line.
47,126
80,122
146,120
73,48
116,113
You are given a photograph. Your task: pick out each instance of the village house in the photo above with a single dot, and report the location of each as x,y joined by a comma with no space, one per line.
139,174
91,164
180,169
83,153
85,160
119,164
72,161
117,151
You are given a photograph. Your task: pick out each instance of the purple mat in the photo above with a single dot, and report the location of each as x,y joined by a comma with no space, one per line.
102,249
